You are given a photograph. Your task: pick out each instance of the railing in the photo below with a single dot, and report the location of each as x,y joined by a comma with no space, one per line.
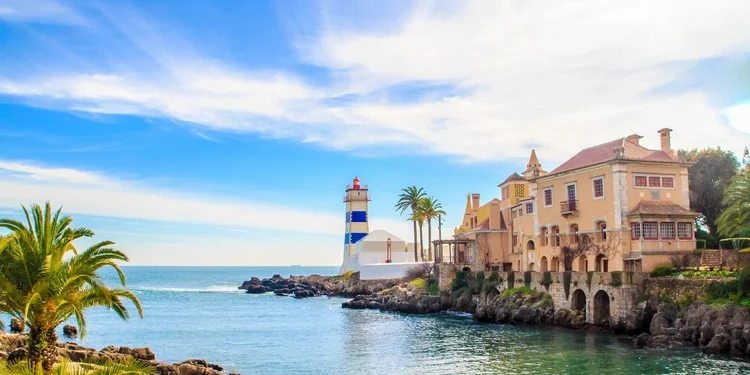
568,207
357,198
350,187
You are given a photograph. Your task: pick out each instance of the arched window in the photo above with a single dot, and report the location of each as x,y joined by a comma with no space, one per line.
601,231
573,230
530,245
544,236
555,236
544,264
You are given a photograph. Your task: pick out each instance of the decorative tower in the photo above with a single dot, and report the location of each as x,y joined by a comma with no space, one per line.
357,226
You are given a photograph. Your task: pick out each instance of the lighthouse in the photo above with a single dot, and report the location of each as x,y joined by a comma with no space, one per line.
357,226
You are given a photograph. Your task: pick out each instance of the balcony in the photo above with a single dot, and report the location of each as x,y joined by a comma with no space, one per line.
569,207
350,187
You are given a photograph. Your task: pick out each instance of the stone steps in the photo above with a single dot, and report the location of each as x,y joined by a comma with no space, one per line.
711,258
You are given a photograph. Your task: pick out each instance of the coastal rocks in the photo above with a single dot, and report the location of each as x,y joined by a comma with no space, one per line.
256,289
315,285
70,330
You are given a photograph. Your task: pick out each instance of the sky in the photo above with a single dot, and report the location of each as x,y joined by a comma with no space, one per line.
224,133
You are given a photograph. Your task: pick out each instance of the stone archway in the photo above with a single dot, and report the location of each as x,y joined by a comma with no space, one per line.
601,307
578,301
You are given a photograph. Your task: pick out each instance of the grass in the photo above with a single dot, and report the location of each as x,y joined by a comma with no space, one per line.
525,290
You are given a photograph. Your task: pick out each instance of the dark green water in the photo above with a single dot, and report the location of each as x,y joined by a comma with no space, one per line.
199,313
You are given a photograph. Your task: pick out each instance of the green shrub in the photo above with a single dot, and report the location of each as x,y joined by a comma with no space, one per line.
494,276
663,270
743,281
616,279
433,289
459,292
525,290
666,297
480,276
707,273
547,301
460,281
419,283
717,291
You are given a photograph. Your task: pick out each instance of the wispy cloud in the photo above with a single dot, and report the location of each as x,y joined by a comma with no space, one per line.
93,193
44,11
480,80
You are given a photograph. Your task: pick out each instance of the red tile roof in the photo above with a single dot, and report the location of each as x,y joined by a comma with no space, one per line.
484,225
512,177
647,208
606,152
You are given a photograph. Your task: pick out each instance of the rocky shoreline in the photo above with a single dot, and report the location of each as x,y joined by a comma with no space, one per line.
654,323
13,347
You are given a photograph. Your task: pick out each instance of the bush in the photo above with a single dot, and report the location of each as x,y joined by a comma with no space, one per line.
718,291
707,273
494,276
419,283
663,270
525,290
743,281
480,276
460,281
433,289
616,279
422,271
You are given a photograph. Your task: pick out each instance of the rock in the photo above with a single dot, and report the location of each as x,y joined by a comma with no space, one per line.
277,276
642,339
16,326
719,344
659,324
256,289
659,341
70,330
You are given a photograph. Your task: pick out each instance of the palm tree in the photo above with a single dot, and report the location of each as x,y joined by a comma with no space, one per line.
419,217
409,199
118,367
44,280
430,209
736,217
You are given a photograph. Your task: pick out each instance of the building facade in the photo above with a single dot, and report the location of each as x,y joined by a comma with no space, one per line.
611,207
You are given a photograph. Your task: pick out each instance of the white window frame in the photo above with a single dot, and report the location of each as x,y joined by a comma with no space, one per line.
661,181
551,197
593,187
575,191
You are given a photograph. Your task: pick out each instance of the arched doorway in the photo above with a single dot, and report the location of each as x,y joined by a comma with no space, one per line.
544,264
555,264
578,301
601,307
583,264
530,245
602,263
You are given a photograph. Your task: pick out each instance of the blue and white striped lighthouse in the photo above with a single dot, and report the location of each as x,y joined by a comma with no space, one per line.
357,225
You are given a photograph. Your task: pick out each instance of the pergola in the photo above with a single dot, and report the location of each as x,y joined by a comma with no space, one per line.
457,253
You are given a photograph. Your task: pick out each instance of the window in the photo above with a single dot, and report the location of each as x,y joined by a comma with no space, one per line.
654,182
650,230
601,231
520,211
599,187
529,208
635,231
666,230
685,231
573,233
515,239
543,236
667,182
547,197
555,236
641,181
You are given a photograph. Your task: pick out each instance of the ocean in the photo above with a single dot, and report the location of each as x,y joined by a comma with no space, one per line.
198,312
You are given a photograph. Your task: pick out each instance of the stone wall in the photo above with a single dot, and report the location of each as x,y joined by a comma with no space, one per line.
677,289
600,295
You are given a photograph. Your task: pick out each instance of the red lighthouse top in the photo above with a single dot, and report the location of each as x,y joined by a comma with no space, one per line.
355,184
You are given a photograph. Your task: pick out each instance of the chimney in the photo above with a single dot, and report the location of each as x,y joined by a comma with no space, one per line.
666,141
475,200
634,138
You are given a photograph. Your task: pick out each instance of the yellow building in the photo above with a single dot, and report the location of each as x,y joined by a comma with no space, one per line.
611,207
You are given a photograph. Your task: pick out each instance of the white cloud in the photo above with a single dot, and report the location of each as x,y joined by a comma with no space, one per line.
557,76
91,193
47,11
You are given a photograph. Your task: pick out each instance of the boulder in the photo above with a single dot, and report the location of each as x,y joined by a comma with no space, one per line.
719,344
659,324
70,330
256,289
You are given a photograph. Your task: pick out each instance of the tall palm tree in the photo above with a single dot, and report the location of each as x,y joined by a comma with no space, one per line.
44,280
736,217
419,217
409,199
431,209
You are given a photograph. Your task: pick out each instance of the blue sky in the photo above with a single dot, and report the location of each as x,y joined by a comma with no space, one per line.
209,133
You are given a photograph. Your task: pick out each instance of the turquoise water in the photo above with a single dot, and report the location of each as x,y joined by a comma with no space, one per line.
199,313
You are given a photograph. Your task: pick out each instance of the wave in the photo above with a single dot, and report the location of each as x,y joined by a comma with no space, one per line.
209,289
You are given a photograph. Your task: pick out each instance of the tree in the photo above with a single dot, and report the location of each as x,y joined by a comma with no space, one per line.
586,244
735,219
44,280
430,209
709,178
409,199
117,367
746,161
